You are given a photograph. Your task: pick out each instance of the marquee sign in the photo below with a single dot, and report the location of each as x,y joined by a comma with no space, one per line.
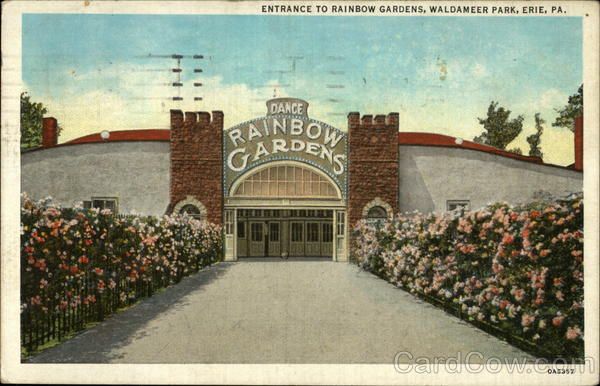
285,133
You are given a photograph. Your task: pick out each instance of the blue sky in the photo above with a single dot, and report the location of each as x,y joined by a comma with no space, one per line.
440,73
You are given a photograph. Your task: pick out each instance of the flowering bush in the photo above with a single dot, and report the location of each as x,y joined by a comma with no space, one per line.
518,270
78,265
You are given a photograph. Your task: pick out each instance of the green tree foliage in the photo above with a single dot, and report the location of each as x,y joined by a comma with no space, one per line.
516,150
535,140
31,122
573,109
499,130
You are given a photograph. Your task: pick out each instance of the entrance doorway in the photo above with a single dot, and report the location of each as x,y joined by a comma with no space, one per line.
285,232
285,208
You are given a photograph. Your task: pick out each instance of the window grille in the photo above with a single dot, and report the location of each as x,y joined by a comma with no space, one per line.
286,181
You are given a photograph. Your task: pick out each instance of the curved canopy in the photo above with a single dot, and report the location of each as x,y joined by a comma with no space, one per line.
286,181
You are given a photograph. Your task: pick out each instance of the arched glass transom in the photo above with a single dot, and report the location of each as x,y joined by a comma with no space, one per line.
286,181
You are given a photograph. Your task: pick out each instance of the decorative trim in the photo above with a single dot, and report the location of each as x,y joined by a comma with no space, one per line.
378,202
190,200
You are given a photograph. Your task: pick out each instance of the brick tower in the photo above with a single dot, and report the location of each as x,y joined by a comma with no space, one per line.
372,164
197,161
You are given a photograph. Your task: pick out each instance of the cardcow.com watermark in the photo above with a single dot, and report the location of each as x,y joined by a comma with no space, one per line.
475,362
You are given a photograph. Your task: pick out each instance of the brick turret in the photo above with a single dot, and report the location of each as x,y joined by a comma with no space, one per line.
197,160
372,162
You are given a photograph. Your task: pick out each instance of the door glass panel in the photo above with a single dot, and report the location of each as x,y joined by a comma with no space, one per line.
241,230
327,232
257,231
274,231
297,232
312,232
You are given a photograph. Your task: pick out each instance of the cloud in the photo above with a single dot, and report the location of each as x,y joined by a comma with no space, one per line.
479,70
552,98
129,96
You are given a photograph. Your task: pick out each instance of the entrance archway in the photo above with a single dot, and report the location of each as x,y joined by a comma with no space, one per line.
286,209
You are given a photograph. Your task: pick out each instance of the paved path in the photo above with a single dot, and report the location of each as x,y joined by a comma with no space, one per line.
278,312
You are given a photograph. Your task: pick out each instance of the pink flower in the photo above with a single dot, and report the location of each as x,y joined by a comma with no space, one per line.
519,294
560,296
507,238
557,320
527,319
573,332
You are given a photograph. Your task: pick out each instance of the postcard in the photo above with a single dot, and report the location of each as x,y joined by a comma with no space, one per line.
300,192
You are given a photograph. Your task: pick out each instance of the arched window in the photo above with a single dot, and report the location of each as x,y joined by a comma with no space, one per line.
192,207
376,215
191,210
286,181
377,211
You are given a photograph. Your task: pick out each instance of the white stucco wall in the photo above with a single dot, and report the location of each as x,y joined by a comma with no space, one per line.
137,173
430,176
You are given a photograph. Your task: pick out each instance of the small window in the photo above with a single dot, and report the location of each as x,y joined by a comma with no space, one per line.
103,203
241,230
341,218
229,222
87,204
376,215
190,210
457,205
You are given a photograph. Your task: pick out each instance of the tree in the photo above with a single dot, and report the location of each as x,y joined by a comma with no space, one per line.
516,150
573,108
499,131
31,122
534,140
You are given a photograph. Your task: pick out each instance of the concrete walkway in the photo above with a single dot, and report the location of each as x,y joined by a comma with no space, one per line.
278,311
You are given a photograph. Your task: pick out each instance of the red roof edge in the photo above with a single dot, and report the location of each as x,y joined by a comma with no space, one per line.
441,140
404,138
124,135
